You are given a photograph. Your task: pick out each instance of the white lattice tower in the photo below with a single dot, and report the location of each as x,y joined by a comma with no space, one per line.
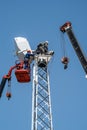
41,98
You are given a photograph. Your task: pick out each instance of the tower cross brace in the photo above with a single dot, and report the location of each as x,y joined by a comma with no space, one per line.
41,98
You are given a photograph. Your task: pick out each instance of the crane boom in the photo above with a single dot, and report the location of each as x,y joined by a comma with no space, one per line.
67,27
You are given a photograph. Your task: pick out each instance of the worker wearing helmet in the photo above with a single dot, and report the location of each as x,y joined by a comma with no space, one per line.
28,59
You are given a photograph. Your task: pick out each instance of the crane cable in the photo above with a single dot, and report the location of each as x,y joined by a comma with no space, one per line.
65,58
63,44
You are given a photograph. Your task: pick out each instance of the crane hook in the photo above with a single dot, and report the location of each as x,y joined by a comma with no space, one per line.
65,61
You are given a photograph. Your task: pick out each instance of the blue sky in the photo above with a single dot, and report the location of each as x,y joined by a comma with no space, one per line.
40,21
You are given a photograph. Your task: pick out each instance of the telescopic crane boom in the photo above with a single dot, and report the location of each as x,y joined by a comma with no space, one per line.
67,27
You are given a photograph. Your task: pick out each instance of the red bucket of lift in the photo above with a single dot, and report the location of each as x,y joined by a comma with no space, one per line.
22,75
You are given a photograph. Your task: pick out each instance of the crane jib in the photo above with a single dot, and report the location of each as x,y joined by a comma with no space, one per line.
68,29
77,49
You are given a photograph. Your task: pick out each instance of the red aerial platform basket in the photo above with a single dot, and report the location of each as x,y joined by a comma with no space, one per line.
22,75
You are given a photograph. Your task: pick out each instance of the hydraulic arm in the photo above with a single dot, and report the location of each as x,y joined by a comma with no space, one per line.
67,27
3,82
4,79
22,73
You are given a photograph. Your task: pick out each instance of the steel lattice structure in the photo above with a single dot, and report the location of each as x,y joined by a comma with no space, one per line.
41,98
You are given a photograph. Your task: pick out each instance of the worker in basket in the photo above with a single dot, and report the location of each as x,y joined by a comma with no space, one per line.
65,61
29,57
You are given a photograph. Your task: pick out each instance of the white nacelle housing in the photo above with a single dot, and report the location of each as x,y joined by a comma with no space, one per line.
21,46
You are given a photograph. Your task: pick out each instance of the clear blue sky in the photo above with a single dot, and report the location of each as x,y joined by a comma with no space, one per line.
40,21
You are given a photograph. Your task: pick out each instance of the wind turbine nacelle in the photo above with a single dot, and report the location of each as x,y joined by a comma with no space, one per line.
21,46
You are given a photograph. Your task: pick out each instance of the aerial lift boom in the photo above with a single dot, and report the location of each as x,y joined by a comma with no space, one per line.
22,75
5,78
67,27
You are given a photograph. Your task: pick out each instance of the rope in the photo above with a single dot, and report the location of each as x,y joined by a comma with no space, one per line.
63,44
